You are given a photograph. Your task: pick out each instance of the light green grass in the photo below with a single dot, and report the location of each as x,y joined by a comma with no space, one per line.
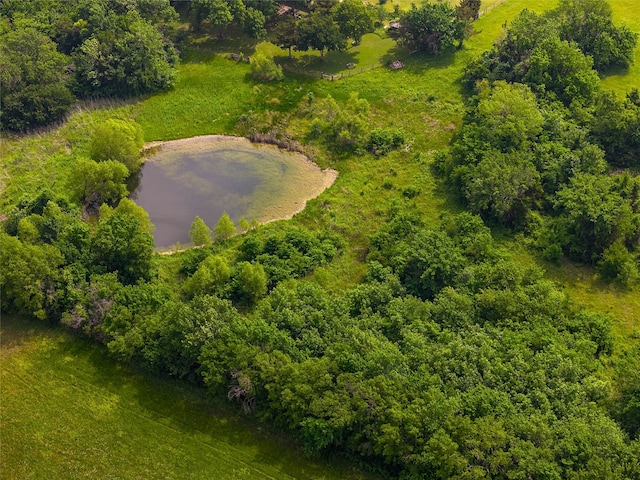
372,51
67,411
208,98
625,12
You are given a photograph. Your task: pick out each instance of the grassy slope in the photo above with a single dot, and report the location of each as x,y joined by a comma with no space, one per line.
68,411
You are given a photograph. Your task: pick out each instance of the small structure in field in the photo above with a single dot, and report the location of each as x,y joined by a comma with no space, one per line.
396,64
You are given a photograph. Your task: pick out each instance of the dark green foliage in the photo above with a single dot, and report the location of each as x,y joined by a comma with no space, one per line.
28,273
589,24
115,48
432,27
430,262
122,243
34,80
354,19
319,31
616,126
533,53
285,31
382,141
469,9
593,215
294,252
131,61
517,156
627,408
253,23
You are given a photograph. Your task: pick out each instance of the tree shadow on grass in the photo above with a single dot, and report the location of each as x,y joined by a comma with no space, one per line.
203,46
140,409
312,64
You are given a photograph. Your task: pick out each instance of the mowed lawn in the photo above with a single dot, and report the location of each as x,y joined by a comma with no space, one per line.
69,412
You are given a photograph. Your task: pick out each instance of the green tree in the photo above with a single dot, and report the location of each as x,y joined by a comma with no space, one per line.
469,9
119,140
285,31
132,60
320,32
432,27
34,80
616,126
558,66
354,19
244,224
210,277
253,23
224,228
27,276
593,215
503,186
263,68
122,243
343,128
200,233
589,23
250,282
508,115
220,16
93,183
618,264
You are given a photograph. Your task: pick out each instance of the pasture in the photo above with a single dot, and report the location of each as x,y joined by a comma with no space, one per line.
68,411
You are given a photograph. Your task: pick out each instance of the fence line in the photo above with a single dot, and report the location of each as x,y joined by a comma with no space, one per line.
338,76
488,9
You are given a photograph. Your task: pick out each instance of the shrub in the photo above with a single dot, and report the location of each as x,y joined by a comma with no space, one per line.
618,264
382,141
264,69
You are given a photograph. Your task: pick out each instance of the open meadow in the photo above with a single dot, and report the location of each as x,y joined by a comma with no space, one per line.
69,411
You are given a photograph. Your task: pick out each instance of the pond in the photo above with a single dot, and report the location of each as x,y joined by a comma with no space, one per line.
213,174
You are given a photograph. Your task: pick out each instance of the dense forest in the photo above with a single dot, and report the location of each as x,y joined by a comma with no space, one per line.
444,355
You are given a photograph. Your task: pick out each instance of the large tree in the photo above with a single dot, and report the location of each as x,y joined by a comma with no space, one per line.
432,28
320,32
285,31
119,140
132,61
354,19
33,78
122,243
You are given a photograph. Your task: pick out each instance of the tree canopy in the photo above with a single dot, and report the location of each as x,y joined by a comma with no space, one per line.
34,77
432,27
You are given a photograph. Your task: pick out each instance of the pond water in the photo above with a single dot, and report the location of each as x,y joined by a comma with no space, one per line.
210,175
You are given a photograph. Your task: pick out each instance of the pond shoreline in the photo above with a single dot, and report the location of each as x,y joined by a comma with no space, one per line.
300,193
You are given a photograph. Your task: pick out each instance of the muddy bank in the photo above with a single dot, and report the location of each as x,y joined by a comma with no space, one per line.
212,174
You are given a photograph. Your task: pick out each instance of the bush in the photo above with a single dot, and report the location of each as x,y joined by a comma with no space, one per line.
382,141
119,140
264,69
618,264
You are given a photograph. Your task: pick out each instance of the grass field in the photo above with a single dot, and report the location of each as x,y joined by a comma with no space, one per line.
67,411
